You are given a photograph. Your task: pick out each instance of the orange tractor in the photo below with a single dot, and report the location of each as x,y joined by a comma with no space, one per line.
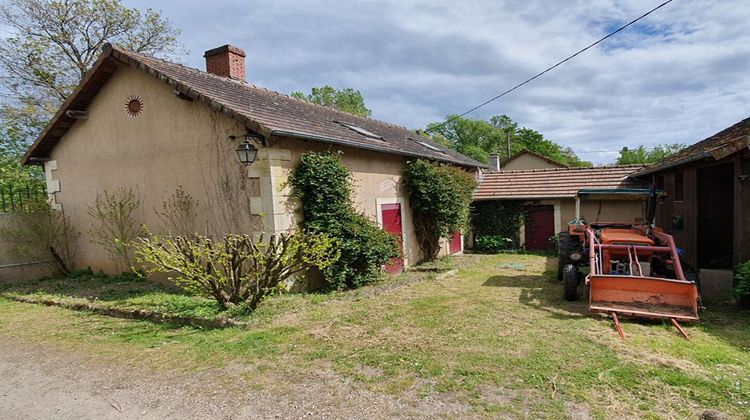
633,269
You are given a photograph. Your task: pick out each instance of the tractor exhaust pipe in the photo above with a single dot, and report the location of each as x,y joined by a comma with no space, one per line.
651,207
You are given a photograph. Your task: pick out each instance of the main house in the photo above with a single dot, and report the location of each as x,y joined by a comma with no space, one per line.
149,124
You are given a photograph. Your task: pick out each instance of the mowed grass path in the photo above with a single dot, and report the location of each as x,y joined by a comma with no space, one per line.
499,339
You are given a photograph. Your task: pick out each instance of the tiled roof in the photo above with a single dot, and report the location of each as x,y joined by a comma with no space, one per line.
537,184
718,146
267,112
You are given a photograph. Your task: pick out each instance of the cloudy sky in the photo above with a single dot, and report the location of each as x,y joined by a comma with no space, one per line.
679,76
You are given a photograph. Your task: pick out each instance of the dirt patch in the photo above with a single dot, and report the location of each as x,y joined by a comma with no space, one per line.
77,387
578,411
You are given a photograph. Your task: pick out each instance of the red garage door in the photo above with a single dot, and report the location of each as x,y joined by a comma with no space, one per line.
539,226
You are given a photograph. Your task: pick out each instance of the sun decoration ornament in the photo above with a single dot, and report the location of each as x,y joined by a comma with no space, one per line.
134,106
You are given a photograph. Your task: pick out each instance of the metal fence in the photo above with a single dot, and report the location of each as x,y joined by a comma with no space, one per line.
15,198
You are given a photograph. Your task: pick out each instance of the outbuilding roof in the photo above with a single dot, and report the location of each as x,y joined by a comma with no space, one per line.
264,111
538,184
718,146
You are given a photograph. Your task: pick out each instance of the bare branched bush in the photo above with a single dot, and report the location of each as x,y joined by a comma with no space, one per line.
115,227
43,232
178,213
236,269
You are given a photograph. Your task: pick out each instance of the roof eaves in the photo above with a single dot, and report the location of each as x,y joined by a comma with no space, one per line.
717,152
657,168
529,198
28,158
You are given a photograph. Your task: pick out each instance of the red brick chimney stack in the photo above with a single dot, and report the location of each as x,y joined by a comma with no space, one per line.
226,61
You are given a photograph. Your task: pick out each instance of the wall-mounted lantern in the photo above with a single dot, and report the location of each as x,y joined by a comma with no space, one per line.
246,151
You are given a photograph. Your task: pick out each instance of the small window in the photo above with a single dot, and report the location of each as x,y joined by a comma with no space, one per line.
360,130
679,187
427,145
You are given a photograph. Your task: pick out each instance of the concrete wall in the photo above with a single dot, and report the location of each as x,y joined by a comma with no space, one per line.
182,143
34,262
528,161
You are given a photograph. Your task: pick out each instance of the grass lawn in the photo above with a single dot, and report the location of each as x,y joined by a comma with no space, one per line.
493,336
126,292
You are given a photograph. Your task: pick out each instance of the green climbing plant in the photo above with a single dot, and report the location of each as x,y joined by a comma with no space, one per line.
440,196
323,185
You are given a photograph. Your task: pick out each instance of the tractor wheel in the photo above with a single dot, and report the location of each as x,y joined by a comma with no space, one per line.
570,282
565,246
586,290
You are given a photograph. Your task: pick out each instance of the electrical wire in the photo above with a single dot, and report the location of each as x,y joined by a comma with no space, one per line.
600,40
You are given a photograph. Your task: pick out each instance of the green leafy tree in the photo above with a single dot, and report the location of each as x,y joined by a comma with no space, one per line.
12,173
440,196
50,44
643,155
347,100
479,139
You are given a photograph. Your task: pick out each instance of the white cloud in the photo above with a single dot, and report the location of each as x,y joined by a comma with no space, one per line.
679,76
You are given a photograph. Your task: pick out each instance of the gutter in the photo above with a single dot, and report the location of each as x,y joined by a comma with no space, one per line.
566,197
324,139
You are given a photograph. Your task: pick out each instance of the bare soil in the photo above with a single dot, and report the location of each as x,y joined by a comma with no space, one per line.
49,382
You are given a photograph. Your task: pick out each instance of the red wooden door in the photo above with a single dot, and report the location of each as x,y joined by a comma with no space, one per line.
539,226
455,245
391,214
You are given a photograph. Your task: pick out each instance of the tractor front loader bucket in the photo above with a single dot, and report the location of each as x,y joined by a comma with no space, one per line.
646,297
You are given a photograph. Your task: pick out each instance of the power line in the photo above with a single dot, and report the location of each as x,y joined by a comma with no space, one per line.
599,151
620,29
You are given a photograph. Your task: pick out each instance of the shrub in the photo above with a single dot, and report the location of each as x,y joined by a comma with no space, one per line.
237,269
440,196
40,229
742,284
178,213
323,185
492,243
115,227
498,218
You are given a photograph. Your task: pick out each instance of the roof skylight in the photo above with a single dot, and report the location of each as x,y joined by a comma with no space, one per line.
429,146
360,130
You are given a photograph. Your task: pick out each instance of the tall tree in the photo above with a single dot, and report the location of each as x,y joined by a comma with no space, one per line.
347,100
643,155
51,44
479,139
48,47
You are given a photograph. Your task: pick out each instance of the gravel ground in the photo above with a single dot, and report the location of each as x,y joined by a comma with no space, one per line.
43,381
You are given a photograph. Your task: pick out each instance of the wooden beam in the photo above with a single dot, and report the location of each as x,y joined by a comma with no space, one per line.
77,114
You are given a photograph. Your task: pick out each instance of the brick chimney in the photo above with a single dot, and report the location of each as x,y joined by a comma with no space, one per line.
494,163
226,61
